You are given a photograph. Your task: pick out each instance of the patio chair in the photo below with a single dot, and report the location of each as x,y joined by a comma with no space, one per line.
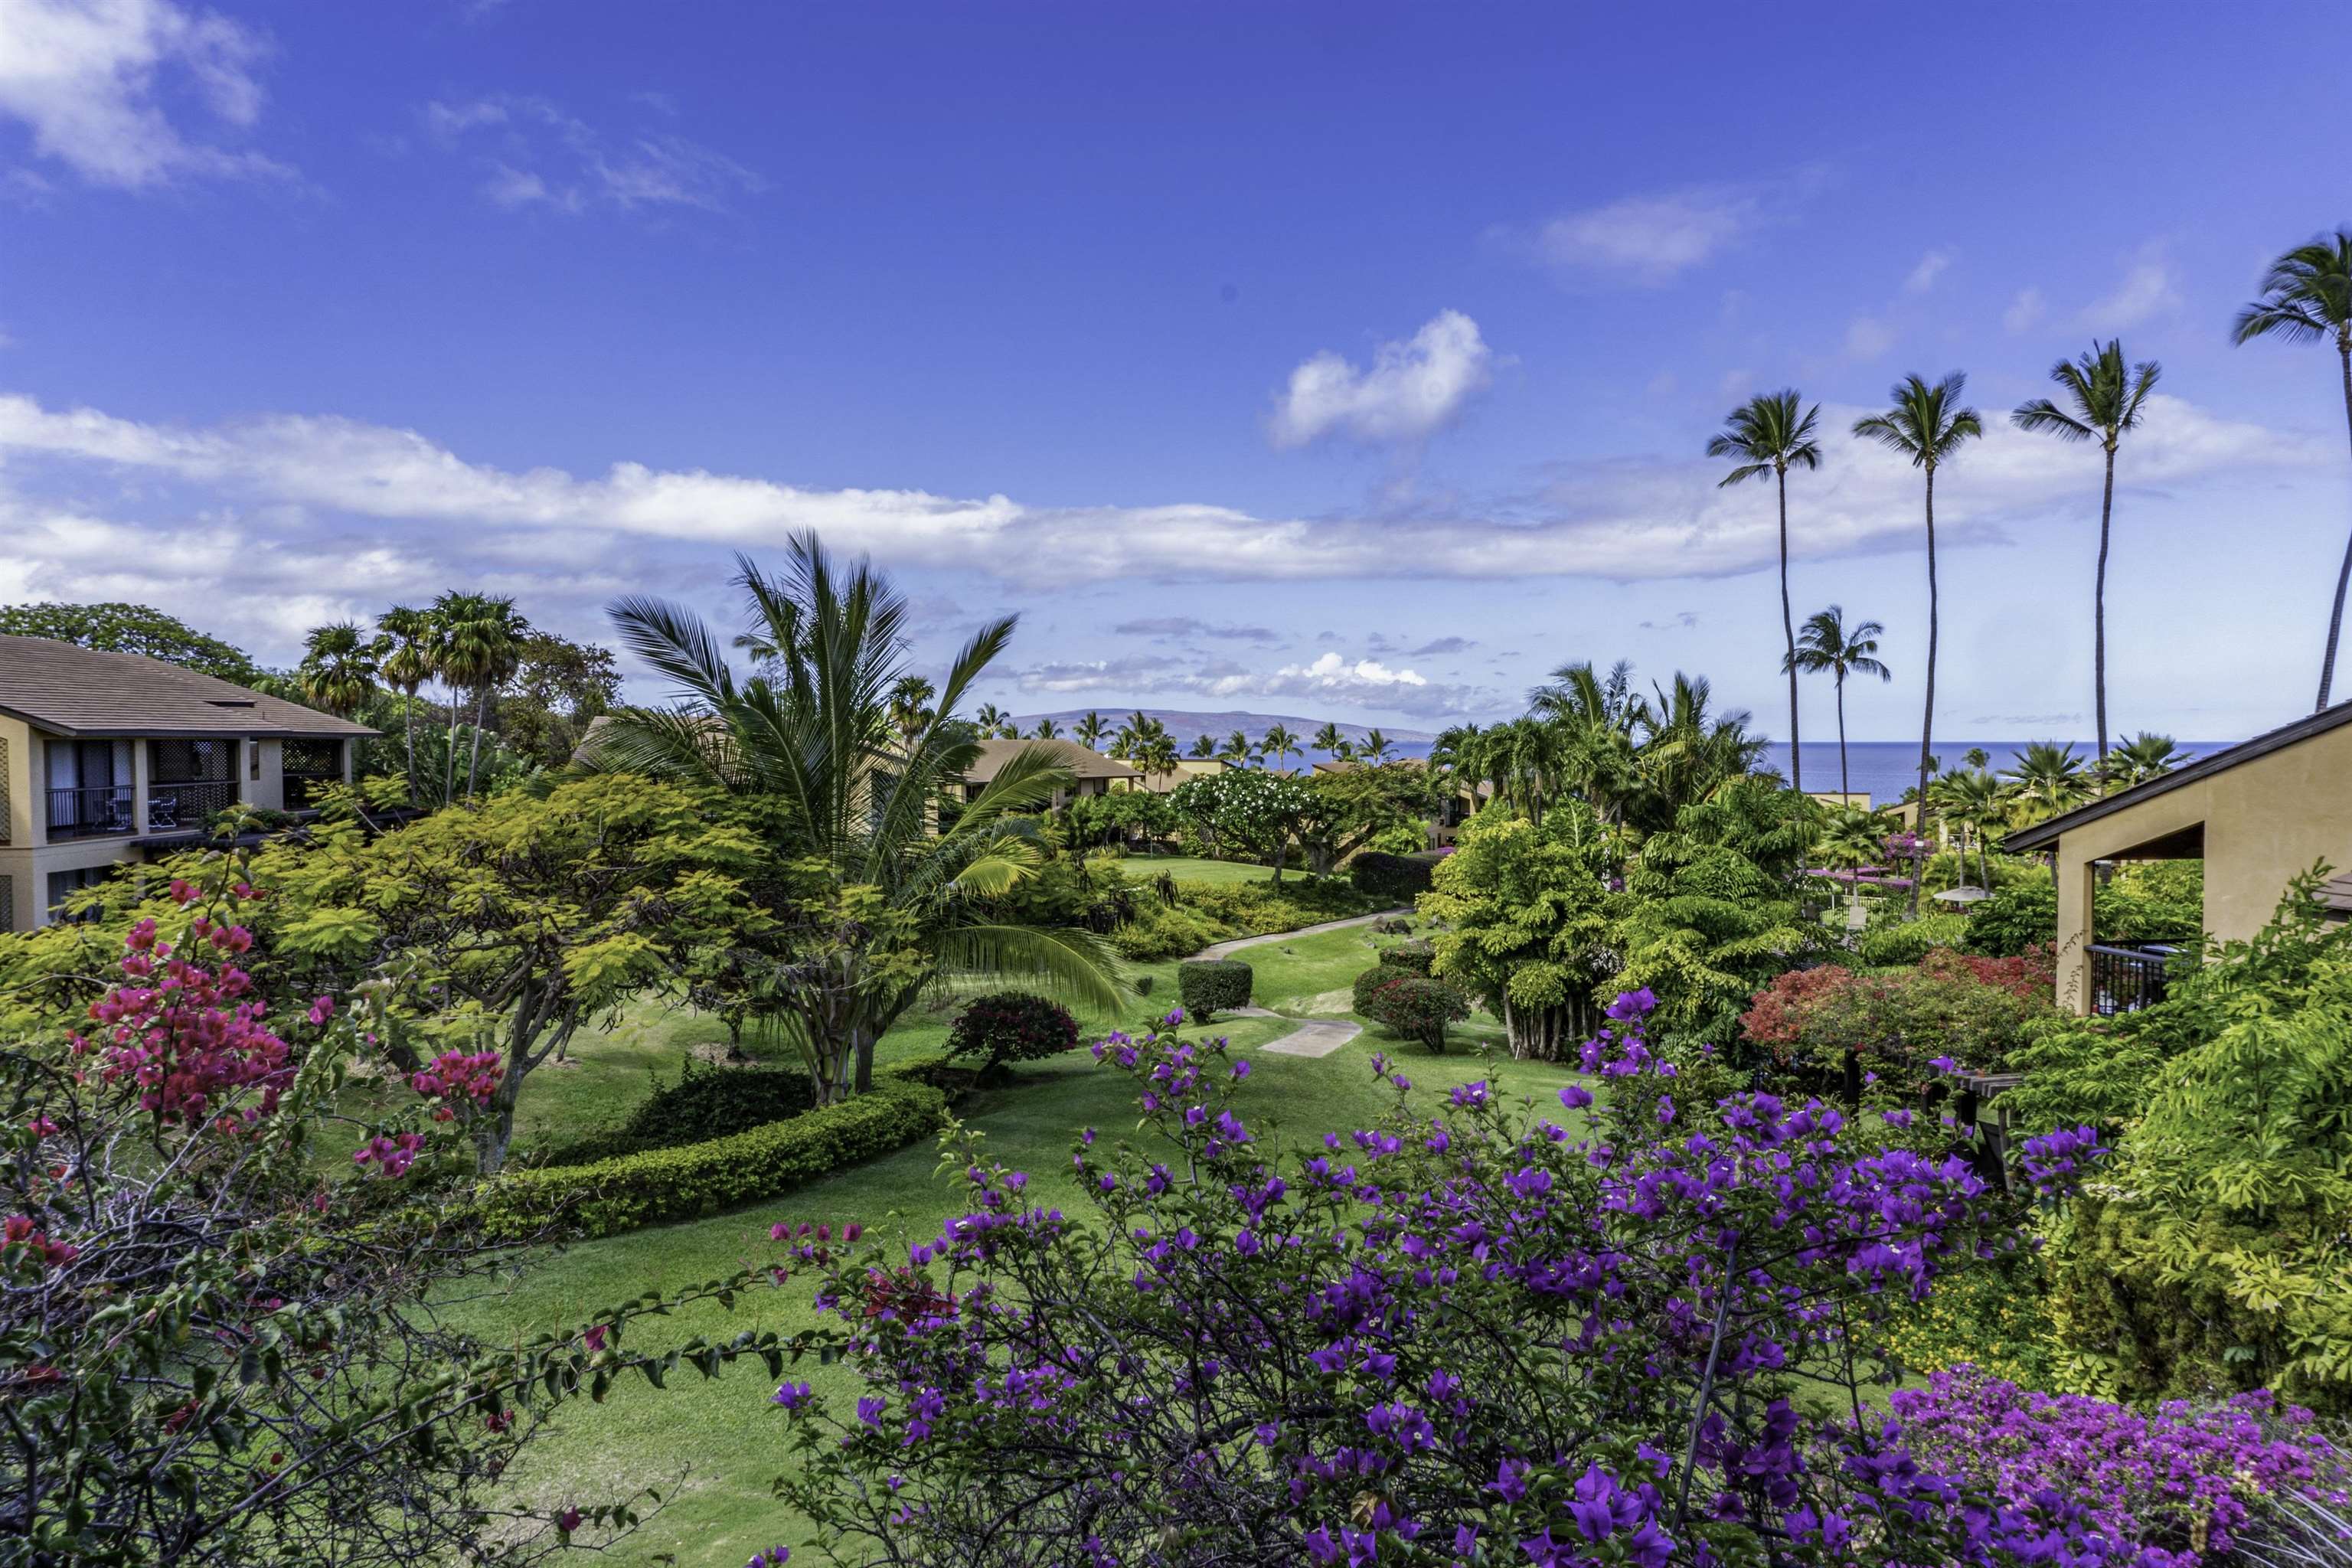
118,812
163,811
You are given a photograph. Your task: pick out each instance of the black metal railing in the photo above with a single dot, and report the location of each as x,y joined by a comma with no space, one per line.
180,806
93,812
2125,979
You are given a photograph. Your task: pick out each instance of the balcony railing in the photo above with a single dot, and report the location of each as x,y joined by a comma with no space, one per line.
182,805
95,813
2125,979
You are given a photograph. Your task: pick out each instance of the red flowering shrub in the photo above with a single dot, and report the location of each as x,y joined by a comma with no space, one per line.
1011,1027
1973,1010
2030,976
1415,1007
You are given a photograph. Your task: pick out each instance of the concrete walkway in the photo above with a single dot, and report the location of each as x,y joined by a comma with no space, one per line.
1314,1036
1221,949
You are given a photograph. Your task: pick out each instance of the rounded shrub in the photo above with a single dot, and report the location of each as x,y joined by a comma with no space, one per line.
1418,956
1011,1027
1907,941
1390,877
705,1103
1415,1006
1206,984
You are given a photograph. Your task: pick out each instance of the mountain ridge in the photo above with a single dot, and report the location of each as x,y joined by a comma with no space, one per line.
1185,724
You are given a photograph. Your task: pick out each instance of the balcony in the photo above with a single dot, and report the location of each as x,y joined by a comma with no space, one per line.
103,812
311,768
181,806
2125,979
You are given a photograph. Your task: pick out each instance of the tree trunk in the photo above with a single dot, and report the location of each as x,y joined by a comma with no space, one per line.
1789,635
2099,620
2343,574
1928,720
449,769
1846,783
862,1039
408,729
474,757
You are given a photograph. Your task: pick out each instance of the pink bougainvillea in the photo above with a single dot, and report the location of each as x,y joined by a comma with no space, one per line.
189,1037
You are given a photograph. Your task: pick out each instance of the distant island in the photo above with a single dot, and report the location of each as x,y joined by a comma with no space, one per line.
1185,724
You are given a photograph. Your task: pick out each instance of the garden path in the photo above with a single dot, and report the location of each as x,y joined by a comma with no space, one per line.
1221,949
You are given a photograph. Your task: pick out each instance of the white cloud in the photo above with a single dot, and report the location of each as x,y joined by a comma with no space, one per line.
1330,678
2147,289
2024,312
1651,239
1410,390
535,153
320,492
1867,337
85,76
1923,276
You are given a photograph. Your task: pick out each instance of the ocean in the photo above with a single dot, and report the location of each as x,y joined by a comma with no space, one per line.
1885,769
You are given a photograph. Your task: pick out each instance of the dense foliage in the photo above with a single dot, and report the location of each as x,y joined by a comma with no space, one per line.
118,627
1415,1006
705,1103
1896,1022
1466,1334
1209,985
1011,1027
1391,878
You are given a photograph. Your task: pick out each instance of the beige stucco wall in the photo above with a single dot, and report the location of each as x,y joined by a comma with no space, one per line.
2264,820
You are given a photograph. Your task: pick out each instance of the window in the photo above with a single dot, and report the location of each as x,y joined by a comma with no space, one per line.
253,760
64,884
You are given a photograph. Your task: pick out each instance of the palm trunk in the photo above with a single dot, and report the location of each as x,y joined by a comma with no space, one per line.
2343,574
1845,781
1789,635
449,768
1927,720
408,731
474,758
2099,621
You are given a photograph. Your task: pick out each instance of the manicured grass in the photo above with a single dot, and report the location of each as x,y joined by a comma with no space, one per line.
1187,868
726,1432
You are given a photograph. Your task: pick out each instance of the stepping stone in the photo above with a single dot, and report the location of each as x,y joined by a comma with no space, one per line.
1315,1038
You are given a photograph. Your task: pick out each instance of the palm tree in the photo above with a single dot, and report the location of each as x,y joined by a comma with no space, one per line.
993,722
910,713
1686,752
1376,747
2106,398
1329,740
1155,756
2142,757
1975,801
2046,779
1768,434
1278,742
1236,749
1849,838
2306,297
1596,716
1203,747
339,666
1827,647
407,667
1046,729
479,645
1929,425
1089,730
811,731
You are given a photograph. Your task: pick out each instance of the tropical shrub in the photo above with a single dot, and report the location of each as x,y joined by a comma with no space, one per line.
219,1349
1372,980
1391,878
1261,908
1402,838
2170,1488
1418,954
1208,985
660,1184
2015,918
1995,1318
1461,1334
1526,923
1896,1022
1415,1007
1887,943
1158,931
1011,1027
705,1103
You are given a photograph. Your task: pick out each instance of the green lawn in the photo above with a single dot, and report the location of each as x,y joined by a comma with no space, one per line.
722,1433
1189,868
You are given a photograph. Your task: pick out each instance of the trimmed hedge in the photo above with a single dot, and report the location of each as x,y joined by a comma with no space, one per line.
1390,878
705,1103
1419,954
659,1185
1208,983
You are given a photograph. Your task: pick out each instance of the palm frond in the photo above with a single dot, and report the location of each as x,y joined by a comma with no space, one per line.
675,641
1074,964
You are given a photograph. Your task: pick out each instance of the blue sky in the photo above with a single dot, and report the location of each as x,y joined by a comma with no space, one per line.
1349,361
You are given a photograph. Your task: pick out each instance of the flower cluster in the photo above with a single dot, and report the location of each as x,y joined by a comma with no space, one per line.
390,1153
188,1037
2170,1490
22,1240
457,1080
1466,1334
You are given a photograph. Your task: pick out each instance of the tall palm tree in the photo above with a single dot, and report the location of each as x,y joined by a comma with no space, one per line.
1089,730
1768,434
1278,743
1828,647
910,710
408,666
478,645
811,731
339,666
2105,397
2046,779
1329,740
1376,747
1236,749
1155,756
991,721
1203,747
1046,729
2144,757
1975,801
1687,751
1596,716
2307,297
1929,425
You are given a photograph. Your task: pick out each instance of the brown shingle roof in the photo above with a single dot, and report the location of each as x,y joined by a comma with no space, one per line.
1084,761
80,691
